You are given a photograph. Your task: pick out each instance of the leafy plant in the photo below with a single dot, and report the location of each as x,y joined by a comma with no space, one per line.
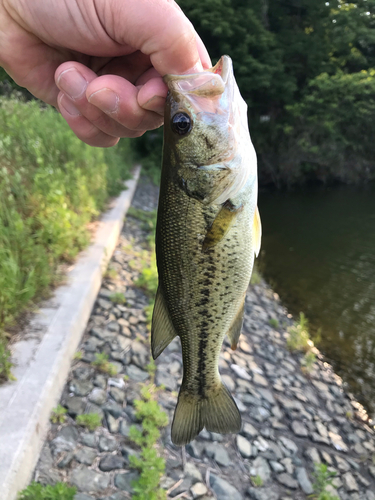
308,361
274,323
59,491
299,338
111,273
58,415
150,465
78,355
257,481
117,298
89,420
102,364
322,478
5,363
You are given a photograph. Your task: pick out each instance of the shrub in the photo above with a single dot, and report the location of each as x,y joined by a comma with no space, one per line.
89,420
35,491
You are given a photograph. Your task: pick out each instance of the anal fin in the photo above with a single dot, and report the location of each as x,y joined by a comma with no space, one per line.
162,329
235,328
221,224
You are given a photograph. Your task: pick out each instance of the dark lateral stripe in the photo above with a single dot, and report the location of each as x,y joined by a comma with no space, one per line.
202,356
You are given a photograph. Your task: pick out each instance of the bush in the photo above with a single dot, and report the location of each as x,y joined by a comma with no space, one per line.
51,186
60,491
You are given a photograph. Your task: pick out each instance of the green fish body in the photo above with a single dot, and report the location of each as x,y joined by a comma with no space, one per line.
208,230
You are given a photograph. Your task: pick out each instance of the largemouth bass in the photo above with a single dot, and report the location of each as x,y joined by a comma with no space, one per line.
208,231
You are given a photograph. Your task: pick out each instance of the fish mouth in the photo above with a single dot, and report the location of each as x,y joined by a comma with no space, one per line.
210,83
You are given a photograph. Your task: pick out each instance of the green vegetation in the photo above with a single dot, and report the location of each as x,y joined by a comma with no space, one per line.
89,420
35,491
257,481
111,273
255,277
5,363
117,298
58,415
102,364
78,355
150,465
308,361
274,323
51,186
323,478
299,338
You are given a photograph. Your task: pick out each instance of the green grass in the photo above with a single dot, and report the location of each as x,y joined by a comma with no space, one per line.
322,478
117,298
299,338
308,361
5,363
58,415
89,420
255,277
35,491
51,186
257,481
274,323
102,364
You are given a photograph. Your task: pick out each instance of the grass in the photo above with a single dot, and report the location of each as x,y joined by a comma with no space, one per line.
149,464
117,298
89,420
274,323
255,277
35,491
308,361
323,478
111,273
102,364
257,481
299,338
5,363
58,415
51,186
78,355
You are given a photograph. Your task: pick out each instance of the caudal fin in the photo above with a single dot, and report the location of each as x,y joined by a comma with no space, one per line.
217,413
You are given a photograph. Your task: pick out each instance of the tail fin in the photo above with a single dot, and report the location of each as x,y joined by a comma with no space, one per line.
218,413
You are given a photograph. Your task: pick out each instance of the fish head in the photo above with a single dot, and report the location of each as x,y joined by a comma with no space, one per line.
206,134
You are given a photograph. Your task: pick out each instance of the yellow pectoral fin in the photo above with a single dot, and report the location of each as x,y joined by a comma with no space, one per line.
257,232
221,224
234,331
162,329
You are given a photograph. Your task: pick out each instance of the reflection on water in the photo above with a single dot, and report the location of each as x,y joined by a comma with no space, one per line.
318,252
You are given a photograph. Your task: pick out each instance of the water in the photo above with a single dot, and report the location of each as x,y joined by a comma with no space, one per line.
318,253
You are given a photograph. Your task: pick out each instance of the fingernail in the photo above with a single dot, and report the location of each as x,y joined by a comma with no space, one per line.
72,83
156,104
105,99
68,105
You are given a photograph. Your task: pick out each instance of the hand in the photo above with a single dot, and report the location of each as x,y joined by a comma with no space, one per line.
100,62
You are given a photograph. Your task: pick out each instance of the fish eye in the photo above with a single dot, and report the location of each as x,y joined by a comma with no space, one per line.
181,123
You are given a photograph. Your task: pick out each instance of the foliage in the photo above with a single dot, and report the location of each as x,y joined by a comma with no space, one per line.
323,478
78,355
89,420
274,323
117,298
58,415
255,276
5,362
308,361
257,481
102,364
150,465
51,186
35,491
299,338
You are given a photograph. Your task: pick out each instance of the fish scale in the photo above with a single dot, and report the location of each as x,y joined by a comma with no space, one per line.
204,248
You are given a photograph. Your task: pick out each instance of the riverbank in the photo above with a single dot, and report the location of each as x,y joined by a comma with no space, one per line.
291,421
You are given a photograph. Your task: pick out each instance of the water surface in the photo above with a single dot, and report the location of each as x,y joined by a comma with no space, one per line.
318,253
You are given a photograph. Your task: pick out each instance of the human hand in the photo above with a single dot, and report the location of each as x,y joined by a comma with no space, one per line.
100,62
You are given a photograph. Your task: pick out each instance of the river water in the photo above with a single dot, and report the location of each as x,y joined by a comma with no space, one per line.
318,253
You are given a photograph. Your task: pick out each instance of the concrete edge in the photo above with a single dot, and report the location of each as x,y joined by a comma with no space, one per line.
42,367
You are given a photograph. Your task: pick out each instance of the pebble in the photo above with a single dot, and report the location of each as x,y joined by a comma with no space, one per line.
87,480
111,462
287,480
224,490
263,493
135,373
124,481
260,467
98,396
218,453
85,455
299,429
244,446
198,490
304,481
350,484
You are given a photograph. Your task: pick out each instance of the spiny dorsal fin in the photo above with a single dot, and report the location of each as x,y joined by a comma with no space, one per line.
257,232
221,224
235,328
162,329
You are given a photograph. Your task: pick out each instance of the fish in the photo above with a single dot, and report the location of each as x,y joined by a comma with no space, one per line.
208,233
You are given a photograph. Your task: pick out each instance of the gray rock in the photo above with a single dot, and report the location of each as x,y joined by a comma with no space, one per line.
244,447
299,429
260,468
218,453
214,436
223,490
92,408
107,443
116,496
341,463
80,387
88,440
113,424
124,481
88,480
267,395
83,372
117,395
124,428
98,396
260,380
286,480
194,449
350,484
263,493
85,455
65,460
165,379
127,452
370,495
100,381
82,496
289,444
111,462
229,382
113,409
135,373
192,472
46,473
184,486
277,466
337,442
313,455
198,490
249,431
75,406
304,481
104,304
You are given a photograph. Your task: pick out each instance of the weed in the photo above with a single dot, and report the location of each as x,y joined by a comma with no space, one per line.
111,273
255,277
89,420
299,338
58,415
117,298
349,414
102,364
5,363
322,478
78,355
274,323
150,465
257,481
308,361
35,491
